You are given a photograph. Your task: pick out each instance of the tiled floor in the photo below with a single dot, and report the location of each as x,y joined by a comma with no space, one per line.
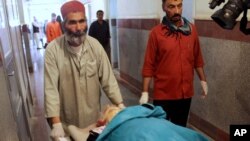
40,129
39,124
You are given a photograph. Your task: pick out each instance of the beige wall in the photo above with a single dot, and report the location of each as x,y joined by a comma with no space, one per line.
129,9
202,9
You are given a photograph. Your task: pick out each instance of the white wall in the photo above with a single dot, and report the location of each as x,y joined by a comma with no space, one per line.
113,9
139,9
41,9
129,9
202,10
188,9
148,9
95,5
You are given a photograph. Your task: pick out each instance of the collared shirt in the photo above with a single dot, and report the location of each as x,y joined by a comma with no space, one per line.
73,86
171,60
76,51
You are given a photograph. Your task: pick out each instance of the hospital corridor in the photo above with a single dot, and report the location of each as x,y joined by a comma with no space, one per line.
40,129
181,66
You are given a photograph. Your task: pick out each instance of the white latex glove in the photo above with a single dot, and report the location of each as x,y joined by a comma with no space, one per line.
121,105
204,88
62,139
144,98
57,131
78,134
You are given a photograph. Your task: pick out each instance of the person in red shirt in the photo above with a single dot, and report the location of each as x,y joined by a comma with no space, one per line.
172,54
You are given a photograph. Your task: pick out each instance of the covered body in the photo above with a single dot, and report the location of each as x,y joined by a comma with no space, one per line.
146,123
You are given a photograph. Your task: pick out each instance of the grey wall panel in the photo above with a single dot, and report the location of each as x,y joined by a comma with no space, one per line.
227,69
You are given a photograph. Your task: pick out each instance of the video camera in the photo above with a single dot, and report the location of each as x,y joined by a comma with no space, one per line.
226,17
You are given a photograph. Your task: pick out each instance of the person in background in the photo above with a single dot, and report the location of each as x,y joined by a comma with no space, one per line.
99,29
44,26
53,29
36,32
76,68
59,20
173,53
44,31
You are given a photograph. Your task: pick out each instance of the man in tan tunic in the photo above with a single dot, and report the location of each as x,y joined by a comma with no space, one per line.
76,68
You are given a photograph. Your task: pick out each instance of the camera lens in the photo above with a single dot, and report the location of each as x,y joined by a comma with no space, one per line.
214,3
226,17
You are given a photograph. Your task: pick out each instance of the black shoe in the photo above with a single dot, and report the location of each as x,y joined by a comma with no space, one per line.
45,45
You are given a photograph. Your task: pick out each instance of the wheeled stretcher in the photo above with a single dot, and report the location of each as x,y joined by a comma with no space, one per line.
144,122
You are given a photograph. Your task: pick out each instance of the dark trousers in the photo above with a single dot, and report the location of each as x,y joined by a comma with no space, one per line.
108,51
177,110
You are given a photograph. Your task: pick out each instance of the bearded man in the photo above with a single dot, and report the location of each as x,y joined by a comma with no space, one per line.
76,68
173,53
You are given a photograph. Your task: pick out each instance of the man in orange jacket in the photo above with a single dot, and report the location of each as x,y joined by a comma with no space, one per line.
53,29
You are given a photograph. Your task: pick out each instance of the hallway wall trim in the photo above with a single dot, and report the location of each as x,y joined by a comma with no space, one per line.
132,84
144,24
209,28
206,28
206,127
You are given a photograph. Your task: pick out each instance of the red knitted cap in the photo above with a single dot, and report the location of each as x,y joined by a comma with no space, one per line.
72,6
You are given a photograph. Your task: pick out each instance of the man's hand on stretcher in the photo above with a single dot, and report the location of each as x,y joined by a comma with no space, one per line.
144,98
57,129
